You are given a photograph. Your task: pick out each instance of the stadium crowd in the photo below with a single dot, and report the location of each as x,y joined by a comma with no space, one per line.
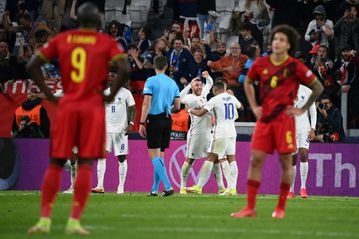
198,41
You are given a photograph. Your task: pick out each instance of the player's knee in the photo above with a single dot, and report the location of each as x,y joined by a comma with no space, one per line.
256,162
304,157
189,161
58,162
121,158
88,161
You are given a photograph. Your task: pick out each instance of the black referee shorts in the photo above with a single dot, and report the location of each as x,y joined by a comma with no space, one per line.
158,131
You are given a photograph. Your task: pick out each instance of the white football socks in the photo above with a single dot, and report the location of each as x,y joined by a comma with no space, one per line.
101,169
205,173
122,172
227,173
303,174
186,167
218,175
234,174
294,174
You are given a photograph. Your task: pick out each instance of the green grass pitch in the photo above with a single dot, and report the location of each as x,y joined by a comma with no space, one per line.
134,215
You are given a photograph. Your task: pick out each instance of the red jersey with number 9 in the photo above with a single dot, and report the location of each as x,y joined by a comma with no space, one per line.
84,57
278,84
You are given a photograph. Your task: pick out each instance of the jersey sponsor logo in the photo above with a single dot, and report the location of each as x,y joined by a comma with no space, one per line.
80,39
265,71
175,167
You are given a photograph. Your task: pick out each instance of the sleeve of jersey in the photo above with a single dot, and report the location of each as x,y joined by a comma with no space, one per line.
130,99
305,75
209,106
252,73
49,51
116,51
177,94
148,88
237,103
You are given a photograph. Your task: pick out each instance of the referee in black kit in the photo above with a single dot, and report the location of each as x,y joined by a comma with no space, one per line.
161,92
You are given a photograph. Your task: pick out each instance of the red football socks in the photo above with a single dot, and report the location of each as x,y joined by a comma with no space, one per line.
284,189
50,186
252,189
82,189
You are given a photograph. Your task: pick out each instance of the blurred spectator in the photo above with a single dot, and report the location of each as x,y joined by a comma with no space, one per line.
322,67
231,66
285,12
246,40
116,31
158,49
25,54
201,64
31,119
136,65
3,35
144,35
8,63
53,11
175,32
181,63
320,30
329,122
256,15
202,13
188,17
347,71
196,44
253,53
347,30
219,52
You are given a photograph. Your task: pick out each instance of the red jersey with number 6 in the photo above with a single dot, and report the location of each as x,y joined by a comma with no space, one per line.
84,57
278,84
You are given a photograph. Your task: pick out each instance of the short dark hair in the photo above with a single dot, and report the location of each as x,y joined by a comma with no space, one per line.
219,85
292,35
346,47
147,30
195,36
160,62
24,16
326,97
246,27
251,52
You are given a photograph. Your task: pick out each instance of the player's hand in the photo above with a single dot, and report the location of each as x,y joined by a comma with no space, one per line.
258,111
183,81
129,128
230,92
311,134
292,111
142,131
205,74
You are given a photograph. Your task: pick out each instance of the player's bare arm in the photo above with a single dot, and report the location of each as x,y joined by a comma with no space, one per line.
131,117
250,93
198,112
34,70
145,109
176,104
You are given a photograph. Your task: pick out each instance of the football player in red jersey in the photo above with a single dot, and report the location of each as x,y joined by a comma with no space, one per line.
279,76
84,55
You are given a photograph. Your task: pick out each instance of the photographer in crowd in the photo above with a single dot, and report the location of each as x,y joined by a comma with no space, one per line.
31,120
329,122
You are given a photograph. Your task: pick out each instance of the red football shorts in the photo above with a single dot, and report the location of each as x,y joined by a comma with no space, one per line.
278,134
80,125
